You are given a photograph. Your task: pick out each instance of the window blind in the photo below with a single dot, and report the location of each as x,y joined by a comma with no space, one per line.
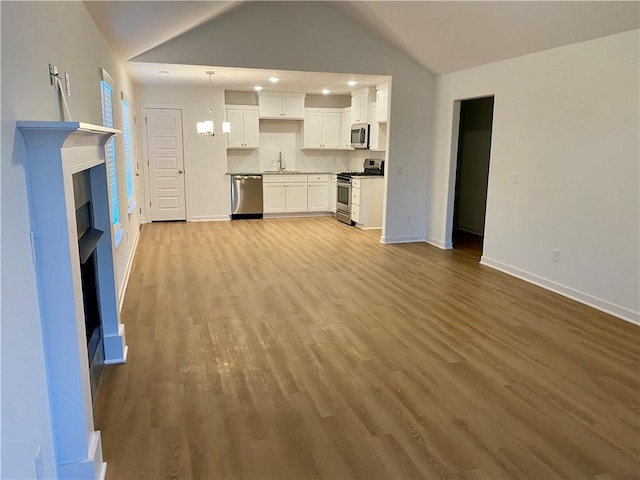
106,92
128,164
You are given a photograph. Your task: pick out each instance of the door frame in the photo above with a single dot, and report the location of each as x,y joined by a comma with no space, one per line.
453,165
145,160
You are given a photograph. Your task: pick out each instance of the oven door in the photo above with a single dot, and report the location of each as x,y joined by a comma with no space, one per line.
343,201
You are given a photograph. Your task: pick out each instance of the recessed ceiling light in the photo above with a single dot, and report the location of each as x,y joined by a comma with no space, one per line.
326,91
274,79
163,72
257,88
352,83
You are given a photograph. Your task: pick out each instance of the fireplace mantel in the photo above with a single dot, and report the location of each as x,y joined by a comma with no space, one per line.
56,151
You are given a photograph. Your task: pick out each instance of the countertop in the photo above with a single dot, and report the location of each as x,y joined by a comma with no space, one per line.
286,172
297,172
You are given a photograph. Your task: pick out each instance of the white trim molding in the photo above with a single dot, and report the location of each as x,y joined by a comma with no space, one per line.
406,239
437,243
209,218
597,303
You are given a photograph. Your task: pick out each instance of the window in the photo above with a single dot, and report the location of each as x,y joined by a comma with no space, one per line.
106,93
128,151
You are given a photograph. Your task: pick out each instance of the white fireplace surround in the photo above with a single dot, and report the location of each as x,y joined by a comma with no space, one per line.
57,150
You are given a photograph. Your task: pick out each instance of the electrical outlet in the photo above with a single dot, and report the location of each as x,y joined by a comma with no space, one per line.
39,463
514,177
556,255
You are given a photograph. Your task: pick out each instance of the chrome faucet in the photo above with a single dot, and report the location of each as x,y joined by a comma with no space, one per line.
281,166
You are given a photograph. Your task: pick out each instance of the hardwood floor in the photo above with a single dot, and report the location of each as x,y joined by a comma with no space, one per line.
303,348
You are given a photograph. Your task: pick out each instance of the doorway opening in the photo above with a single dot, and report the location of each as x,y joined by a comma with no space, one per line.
472,174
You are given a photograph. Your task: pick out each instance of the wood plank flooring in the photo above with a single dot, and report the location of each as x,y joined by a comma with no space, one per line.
302,348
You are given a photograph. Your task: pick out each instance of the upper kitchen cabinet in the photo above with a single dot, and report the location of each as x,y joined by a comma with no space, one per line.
360,105
382,102
322,128
345,129
244,126
285,106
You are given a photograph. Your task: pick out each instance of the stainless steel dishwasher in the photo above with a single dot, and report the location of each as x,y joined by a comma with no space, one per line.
246,196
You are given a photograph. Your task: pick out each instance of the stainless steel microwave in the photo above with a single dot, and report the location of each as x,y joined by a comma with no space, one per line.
360,135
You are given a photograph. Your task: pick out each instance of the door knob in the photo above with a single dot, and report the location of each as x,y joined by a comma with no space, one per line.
180,171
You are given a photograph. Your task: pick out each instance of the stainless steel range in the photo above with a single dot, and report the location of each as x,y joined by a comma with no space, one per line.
343,198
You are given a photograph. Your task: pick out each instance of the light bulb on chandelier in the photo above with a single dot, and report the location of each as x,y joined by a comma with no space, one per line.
205,128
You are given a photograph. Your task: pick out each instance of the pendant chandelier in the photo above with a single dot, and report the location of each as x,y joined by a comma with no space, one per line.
205,128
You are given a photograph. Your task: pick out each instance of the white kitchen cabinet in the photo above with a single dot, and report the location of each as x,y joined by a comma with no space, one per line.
333,194
360,106
318,192
244,126
382,102
284,193
366,202
322,128
284,106
345,129
273,197
373,128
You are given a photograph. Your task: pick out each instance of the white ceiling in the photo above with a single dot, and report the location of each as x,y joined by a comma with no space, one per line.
446,36
443,36
244,79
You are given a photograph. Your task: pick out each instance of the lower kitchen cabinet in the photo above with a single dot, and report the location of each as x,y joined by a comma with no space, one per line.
284,193
318,193
366,202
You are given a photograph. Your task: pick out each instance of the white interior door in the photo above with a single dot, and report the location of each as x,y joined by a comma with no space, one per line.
166,163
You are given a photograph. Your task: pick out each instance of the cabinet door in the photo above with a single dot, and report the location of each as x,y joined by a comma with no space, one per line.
331,130
382,105
356,109
318,197
296,197
345,129
373,129
313,129
270,106
293,107
274,197
235,118
250,128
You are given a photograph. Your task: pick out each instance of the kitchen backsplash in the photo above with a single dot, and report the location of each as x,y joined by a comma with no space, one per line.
286,136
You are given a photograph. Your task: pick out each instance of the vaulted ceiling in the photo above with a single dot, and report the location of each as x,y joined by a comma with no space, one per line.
442,36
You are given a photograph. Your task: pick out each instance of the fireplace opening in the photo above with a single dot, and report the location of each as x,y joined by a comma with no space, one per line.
88,238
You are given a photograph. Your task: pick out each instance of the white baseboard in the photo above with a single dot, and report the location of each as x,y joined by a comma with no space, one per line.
405,239
297,215
595,302
437,243
91,467
209,218
127,272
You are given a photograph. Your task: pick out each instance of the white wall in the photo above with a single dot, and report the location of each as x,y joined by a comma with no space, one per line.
34,34
315,36
567,120
207,187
